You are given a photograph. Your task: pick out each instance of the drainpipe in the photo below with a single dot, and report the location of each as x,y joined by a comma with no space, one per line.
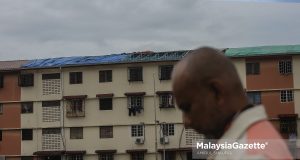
155,118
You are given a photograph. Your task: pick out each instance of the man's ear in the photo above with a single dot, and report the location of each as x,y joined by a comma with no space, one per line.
217,87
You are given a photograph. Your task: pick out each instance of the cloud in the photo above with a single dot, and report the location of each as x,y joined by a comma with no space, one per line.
38,29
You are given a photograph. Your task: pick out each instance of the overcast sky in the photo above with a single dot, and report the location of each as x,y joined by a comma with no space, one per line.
32,29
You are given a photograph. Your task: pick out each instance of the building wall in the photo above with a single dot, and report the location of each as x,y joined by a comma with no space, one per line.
10,90
10,118
10,144
241,69
271,101
269,77
269,82
118,117
296,83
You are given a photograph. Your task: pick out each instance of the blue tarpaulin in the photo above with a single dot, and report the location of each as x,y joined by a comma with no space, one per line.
70,61
106,59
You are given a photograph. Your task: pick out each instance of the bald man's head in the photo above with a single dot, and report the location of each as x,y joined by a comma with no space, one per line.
206,83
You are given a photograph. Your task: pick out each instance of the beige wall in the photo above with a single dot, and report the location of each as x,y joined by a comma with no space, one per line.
296,71
121,140
35,93
118,117
240,65
91,87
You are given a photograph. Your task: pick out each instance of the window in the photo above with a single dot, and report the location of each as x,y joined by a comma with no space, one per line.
51,76
288,124
51,84
169,155
106,132
137,130
26,80
166,100
286,96
106,156
167,129
1,80
105,76
26,158
254,97
165,72
51,111
75,157
75,106
50,103
76,133
192,136
137,156
1,108
135,104
27,134
51,139
285,67
27,107
252,68
189,156
75,77
105,103
135,74
0,135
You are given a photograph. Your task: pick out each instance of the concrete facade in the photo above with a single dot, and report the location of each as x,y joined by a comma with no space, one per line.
52,93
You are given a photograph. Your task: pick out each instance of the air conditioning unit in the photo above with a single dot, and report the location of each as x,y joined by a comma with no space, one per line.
164,140
139,141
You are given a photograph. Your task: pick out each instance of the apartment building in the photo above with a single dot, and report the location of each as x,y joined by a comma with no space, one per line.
121,106
108,107
10,109
272,79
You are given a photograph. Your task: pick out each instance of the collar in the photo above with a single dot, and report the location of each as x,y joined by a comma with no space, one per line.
243,120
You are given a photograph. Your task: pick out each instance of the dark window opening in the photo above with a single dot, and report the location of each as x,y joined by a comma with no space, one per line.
1,108
75,108
165,72
76,133
105,103
26,158
51,76
27,107
106,156
1,81
50,103
75,77
254,97
26,80
27,134
75,157
168,155
135,74
106,132
51,131
252,68
105,76
137,156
